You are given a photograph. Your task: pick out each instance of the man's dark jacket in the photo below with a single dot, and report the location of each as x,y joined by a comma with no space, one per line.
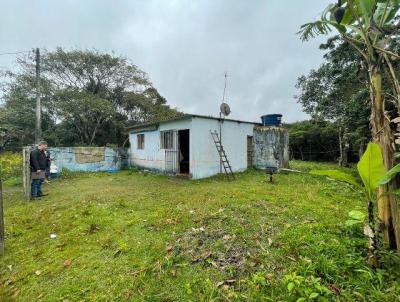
38,160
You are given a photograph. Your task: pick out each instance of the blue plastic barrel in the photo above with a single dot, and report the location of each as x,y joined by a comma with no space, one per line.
271,119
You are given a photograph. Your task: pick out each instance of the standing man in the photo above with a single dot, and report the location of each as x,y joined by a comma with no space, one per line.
38,163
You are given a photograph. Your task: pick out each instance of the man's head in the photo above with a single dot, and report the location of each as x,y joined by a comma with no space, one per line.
42,145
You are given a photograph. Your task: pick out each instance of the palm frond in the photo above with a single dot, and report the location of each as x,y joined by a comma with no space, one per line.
311,30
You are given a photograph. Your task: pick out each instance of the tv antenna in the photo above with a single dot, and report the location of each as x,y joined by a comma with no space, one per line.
226,77
224,108
224,111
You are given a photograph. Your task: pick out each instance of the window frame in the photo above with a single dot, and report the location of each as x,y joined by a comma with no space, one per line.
167,140
140,141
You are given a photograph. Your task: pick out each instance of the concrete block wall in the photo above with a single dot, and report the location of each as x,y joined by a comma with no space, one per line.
271,147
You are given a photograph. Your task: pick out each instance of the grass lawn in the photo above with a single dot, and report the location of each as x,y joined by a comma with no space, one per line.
133,236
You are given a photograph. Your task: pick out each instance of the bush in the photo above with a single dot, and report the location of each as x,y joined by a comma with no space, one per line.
308,288
10,165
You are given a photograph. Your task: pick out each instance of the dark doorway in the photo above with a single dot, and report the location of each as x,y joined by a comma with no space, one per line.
184,151
250,151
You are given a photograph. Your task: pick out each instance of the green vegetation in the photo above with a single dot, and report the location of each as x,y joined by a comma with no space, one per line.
11,168
87,98
370,27
372,173
314,140
135,236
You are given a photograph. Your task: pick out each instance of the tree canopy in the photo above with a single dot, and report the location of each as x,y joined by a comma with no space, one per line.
371,27
313,140
88,98
338,92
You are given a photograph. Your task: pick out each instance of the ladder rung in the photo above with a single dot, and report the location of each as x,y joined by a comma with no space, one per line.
222,155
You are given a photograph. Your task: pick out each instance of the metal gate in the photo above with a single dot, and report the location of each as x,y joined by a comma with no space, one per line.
172,155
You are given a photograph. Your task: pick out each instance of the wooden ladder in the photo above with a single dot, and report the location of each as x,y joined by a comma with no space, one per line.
222,155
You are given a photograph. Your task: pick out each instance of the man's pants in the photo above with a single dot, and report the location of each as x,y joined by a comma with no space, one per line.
36,187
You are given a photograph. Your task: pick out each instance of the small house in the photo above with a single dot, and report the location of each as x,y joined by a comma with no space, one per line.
185,145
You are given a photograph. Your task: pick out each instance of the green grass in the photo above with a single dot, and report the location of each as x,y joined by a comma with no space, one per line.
135,236
12,182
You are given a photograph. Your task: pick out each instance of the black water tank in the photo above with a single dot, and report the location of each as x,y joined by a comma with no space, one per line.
271,119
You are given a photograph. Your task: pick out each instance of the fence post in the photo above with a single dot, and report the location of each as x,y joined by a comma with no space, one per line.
2,232
26,172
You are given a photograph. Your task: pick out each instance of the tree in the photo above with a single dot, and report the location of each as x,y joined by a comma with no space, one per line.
17,115
314,140
337,92
369,27
88,98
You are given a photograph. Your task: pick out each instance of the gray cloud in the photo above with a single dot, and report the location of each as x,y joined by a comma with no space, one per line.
185,46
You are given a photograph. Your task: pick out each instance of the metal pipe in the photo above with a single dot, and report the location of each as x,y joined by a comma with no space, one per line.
220,139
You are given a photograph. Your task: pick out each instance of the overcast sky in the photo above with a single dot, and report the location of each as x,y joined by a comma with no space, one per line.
184,45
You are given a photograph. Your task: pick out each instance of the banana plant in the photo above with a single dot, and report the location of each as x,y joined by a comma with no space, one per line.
392,173
369,27
372,172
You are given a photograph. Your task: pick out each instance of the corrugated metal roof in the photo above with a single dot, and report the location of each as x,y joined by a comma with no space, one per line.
185,116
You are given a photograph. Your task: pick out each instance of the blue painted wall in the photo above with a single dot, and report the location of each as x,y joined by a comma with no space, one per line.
66,158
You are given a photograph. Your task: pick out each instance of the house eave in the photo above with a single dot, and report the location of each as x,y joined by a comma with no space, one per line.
154,125
144,128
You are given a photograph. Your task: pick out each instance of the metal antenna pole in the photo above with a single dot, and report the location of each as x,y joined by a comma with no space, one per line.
38,128
220,122
223,96
220,139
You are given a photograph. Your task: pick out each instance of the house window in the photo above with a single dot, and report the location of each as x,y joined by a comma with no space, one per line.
140,141
167,139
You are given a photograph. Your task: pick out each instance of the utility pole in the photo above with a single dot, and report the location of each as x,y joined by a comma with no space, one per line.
2,239
38,128
2,232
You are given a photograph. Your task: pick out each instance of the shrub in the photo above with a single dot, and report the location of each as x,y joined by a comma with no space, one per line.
308,288
10,165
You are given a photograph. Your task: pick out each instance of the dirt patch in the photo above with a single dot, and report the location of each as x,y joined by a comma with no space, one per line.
211,247
12,189
234,239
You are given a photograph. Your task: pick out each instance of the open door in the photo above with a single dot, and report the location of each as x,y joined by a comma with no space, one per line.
250,151
184,151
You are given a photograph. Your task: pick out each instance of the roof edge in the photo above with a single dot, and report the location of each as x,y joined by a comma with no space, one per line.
186,116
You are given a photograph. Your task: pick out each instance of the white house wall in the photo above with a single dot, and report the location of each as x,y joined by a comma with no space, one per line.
152,157
149,157
204,158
